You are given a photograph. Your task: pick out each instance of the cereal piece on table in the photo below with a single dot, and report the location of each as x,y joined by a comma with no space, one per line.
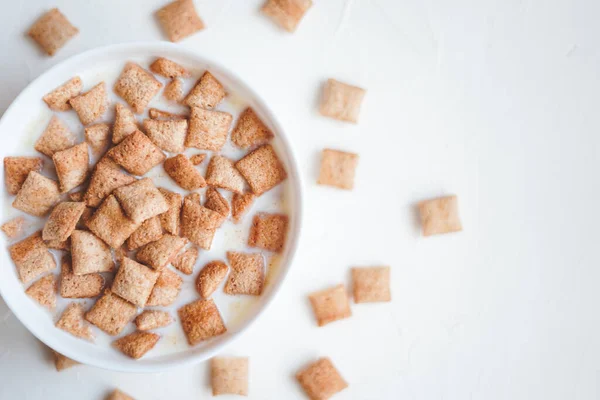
371,285
56,137
262,169
247,273
330,305
13,227
201,321
250,131
321,380
207,93
91,105
199,223
110,223
149,231
62,362
52,31
90,254
210,277
44,291
111,313
183,172
98,137
58,99
137,154
185,261
179,20
216,202
168,68
170,219
155,113
197,159
62,221
72,166
153,319
169,135
440,216
174,90
341,101
286,13
208,129
107,176
229,375
136,344
137,87
268,231
160,253
338,169
72,321
166,289
37,196
125,123
78,286
141,200
240,204
16,170
222,173
134,282
118,395
64,245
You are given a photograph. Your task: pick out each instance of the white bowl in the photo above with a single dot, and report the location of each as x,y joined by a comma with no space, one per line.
24,121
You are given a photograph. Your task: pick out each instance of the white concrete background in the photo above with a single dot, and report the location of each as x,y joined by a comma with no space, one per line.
494,100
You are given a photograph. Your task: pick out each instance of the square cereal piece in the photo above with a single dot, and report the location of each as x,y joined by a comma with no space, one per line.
155,113
330,305
338,169
90,254
13,227
208,129
179,20
37,196
56,137
44,291
247,273
72,166
153,319
72,321
16,170
371,285
118,395
110,223
262,169
107,176
341,101
197,159
62,362
137,87
199,224
136,344
207,93
168,69
141,200
321,380
58,99
98,137
149,231
166,290
183,172
286,13
210,277
111,313
222,173
240,204
250,131
174,90
440,216
201,321
125,123
229,375
62,221
91,105
185,261
137,154
78,286
134,282
216,202
268,231
170,220
52,31
160,253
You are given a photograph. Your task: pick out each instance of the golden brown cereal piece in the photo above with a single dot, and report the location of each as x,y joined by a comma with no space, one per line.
321,380
98,137
72,321
137,154
149,231
286,13
229,375
58,99
207,93
72,166
208,129
166,289
137,87
58,245
170,219
330,305
37,196
199,223
78,286
216,202
111,313
134,282
125,123
262,169
440,216
222,173
174,90
141,200
201,321
155,113
247,273
183,172
341,101
136,344
107,176
56,137
52,31
179,20
62,221
210,277
168,69
186,260
90,254
197,159
371,285
169,135
153,319
16,170
240,204
44,291
14,227
118,395
63,362
268,231
338,169
160,253
250,131
91,105
110,223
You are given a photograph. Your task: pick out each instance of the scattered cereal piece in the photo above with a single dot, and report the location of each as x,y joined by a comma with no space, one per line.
286,13
268,231
14,227
166,289
321,380
137,154
98,137
76,196
72,166
91,105
229,375
197,159
174,90
62,221
137,87
250,131
125,123
155,113
160,253
90,254
210,277
153,319
371,285
78,286
118,395
52,31
134,282
58,99
262,169
64,245
208,129
440,216
136,344
62,362
44,291
56,137
149,231
168,69
222,173
106,177
341,101
141,200
186,260
72,321
179,20
207,93
338,169
183,172
16,170
201,321
111,313
110,223
330,304
216,202
169,135
37,196
240,204
247,273
170,219
199,223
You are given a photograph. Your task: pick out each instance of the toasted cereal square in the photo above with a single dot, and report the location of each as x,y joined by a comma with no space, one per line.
16,170
210,277
207,93
174,90
198,223
240,204
62,221
37,196
98,137
149,231
229,375
216,202
136,344
90,254
208,129
222,173
201,321
118,395
371,285
286,13
78,286
197,159
341,101
153,319
110,223
141,200
52,31
250,131
59,245
72,166
247,273
185,261
125,123
183,172
56,137
111,313
321,380
14,227
330,305
262,169
91,105
62,362
134,282
44,291
161,252
168,68
72,321
155,113
179,20
166,289
137,154
107,176
338,169
440,216
137,87
268,231
170,220
58,99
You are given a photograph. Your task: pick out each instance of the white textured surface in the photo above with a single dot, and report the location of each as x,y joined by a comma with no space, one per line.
493,100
